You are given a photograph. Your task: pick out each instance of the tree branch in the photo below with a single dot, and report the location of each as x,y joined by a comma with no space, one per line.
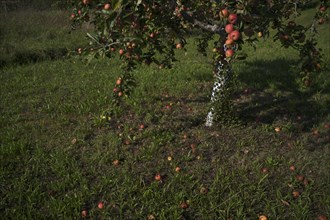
207,27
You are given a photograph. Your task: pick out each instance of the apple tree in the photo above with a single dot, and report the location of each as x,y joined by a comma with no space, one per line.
149,31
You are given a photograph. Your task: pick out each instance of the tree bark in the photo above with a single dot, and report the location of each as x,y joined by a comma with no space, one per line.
223,74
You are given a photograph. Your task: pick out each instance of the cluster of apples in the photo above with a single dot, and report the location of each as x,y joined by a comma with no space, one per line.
322,10
117,90
233,34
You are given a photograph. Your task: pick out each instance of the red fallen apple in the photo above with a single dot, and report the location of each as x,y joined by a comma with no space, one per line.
141,127
184,205
263,217
295,194
107,6
152,35
300,177
118,82
224,13
235,35
292,168
264,170
84,213
229,53
120,94
177,169
121,52
73,16
178,46
100,205
115,90
151,217
158,177
322,217
232,18
277,129
229,28
115,162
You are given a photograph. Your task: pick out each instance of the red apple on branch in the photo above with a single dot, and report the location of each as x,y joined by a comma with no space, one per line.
121,52
224,13
142,21
229,28
232,18
229,53
229,42
235,35
107,6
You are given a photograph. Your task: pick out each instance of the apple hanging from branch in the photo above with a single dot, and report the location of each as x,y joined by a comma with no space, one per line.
154,27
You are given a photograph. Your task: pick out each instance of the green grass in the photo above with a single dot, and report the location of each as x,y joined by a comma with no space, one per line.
57,158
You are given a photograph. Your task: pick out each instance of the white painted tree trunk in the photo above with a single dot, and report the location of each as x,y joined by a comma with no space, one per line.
222,77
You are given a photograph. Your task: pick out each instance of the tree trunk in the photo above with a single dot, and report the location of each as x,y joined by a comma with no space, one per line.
223,73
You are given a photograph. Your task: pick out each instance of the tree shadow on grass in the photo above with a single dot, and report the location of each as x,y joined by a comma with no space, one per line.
274,94
33,56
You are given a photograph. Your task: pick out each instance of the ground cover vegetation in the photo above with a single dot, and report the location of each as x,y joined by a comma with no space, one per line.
63,157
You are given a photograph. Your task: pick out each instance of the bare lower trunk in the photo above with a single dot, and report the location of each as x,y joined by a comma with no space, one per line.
222,77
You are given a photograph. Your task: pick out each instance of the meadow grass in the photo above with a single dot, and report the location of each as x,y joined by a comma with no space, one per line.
58,158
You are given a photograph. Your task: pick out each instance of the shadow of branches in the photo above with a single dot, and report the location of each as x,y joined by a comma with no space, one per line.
273,93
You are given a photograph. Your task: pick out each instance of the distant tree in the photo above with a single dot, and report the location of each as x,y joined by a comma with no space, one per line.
149,31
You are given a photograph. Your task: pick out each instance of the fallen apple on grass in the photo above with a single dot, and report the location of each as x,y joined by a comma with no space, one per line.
295,194
322,217
100,205
277,129
84,213
300,178
264,170
158,177
292,168
263,217
184,205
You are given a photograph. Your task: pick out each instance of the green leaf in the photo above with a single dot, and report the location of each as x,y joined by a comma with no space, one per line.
118,4
93,38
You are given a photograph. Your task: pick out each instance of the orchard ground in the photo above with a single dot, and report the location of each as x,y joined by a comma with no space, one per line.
156,159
